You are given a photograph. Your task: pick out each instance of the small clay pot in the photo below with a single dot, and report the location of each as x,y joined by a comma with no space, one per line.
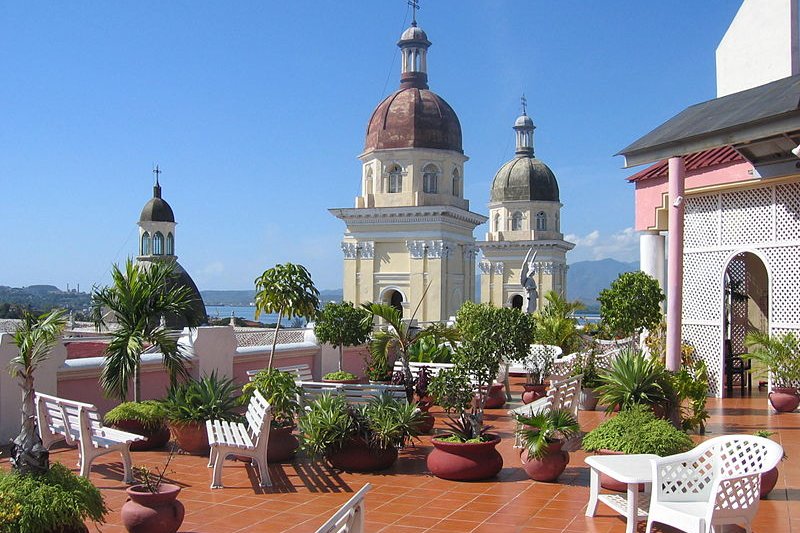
147,512
784,399
549,467
533,392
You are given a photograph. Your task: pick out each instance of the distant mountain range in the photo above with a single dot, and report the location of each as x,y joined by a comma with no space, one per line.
247,297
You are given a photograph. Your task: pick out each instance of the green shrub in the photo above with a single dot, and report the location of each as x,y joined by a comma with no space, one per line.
280,390
341,375
150,414
210,398
634,378
632,302
41,503
637,430
341,324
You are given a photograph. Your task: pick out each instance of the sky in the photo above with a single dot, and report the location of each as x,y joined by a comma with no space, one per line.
256,112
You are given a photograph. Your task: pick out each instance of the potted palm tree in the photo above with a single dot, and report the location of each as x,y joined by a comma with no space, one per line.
779,356
542,436
281,392
289,291
342,324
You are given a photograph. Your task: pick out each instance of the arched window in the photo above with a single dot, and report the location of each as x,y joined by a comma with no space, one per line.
516,221
497,221
541,221
145,248
456,183
396,179
158,243
430,179
368,182
170,244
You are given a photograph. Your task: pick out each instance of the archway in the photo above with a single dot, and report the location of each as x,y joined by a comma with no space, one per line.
745,309
394,298
517,301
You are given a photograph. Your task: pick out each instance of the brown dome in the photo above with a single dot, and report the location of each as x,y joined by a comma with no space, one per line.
413,117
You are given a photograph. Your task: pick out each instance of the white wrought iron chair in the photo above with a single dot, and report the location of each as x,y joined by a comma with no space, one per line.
700,488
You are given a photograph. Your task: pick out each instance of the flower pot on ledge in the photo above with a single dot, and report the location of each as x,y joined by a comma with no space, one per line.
784,399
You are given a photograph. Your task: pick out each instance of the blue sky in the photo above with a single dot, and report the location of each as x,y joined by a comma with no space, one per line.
256,112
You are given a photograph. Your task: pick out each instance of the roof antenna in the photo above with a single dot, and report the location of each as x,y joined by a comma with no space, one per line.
414,7
524,102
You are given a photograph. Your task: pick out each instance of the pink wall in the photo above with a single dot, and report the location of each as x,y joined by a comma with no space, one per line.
243,363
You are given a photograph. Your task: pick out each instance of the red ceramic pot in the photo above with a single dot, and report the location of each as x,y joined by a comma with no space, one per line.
146,512
283,444
156,438
427,419
768,481
465,461
191,436
356,456
495,398
533,392
608,482
549,467
784,399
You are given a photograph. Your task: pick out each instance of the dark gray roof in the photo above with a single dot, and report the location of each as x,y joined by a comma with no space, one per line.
524,178
157,209
756,106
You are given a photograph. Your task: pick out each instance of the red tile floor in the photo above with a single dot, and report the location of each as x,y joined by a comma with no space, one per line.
407,499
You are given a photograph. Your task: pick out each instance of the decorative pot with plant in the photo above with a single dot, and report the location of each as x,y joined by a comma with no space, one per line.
281,392
586,366
56,501
542,436
769,478
152,505
341,376
189,404
635,378
779,356
342,324
421,395
635,430
538,367
361,438
146,418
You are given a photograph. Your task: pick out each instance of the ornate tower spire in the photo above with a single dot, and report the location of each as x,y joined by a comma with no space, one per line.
524,128
157,186
414,46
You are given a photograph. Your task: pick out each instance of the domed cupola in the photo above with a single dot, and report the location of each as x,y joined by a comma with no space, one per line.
157,209
525,177
413,116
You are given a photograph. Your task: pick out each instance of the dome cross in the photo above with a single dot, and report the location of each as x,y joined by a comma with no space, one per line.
414,7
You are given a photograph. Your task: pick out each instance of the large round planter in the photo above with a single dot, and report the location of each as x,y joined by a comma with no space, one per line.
588,400
495,398
465,461
145,512
65,529
283,444
608,482
156,438
343,381
356,456
191,436
533,392
784,399
549,467
427,418
768,481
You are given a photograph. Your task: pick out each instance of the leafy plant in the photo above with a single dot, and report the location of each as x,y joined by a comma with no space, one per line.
637,430
330,423
152,479
138,299
555,323
287,290
586,365
34,338
631,303
210,398
779,355
543,428
690,384
634,378
377,368
340,375
150,414
431,349
341,324
280,391
42,503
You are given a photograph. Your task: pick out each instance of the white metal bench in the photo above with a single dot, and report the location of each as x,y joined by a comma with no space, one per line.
350,517
433,368
302,372
564,394
80,424
249,439
353,393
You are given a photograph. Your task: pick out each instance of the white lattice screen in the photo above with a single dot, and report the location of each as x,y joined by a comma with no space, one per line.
719,227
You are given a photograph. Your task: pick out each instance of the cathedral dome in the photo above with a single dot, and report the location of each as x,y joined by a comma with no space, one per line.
414,117
157,209
524,178
414,33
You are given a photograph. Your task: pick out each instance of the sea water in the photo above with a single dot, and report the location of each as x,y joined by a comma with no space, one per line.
247,312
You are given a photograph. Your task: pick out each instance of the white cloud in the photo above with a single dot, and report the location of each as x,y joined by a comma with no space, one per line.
622,246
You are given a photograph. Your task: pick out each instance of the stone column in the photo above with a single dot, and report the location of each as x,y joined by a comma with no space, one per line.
651,256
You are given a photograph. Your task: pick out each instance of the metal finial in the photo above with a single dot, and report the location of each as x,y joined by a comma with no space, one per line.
524,102
414,7
156,171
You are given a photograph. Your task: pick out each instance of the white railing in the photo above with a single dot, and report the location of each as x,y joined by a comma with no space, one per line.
264,336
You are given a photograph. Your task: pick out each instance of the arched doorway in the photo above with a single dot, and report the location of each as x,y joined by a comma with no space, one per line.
394,298
745,309
517,301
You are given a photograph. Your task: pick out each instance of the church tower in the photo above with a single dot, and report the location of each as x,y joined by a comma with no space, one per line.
411,228
157,243
524,213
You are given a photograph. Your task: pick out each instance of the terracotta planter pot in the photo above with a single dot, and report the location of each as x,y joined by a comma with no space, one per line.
343,381
768,481
549,467
784,399
283,444
610,483
427,419
64,529
496,397
533,392
145,512
156,438
356,456
191,436
465,461
588,400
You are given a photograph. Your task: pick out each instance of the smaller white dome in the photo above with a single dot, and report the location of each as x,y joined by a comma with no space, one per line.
523,121
414,33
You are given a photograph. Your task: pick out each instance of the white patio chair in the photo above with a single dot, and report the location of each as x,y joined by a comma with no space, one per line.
350,517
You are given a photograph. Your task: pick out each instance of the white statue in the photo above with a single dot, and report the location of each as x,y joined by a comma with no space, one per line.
528,283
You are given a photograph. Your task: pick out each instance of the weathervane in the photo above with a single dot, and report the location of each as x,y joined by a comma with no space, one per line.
156,171
524,102
414,7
